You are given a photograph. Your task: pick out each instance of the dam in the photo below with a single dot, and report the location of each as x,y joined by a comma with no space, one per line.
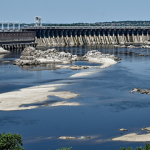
93,35
52,36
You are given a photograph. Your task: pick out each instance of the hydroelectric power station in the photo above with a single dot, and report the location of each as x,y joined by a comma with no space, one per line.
38,35
74,36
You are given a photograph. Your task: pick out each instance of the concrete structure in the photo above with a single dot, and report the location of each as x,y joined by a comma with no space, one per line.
12,37
17,40
74,36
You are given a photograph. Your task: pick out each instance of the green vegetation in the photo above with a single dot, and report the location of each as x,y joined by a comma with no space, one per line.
11,141
147,147
14,142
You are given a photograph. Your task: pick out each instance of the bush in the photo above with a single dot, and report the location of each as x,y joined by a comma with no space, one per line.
11,141
147,147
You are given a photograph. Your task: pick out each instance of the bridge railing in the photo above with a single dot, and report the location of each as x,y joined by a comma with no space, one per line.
88,27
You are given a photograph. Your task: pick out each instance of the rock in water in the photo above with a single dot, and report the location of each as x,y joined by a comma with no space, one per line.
31,56
122,129
142,91
98,55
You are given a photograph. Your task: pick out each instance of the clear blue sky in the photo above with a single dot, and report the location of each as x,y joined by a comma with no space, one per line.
72,11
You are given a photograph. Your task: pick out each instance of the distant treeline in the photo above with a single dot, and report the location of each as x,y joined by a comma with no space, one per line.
113,23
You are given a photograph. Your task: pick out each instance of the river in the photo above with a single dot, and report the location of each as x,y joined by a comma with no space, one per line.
106,102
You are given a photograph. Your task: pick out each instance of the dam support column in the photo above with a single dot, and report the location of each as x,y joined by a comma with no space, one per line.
84,36
106,36
103,32
38,37
128,36
75,39
143,37
61,38
80,37
56,35
132,32
43,38
92,37
113,37
118,37
66,36
52,37
47,37
135,36
109,37
70,38
123,37
88,39
102,37
147,35
99,36
138,38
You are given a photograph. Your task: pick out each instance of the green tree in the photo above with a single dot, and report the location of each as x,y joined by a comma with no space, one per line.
11,141
147,147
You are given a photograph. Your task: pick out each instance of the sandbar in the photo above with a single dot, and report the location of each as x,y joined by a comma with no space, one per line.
2,51
13,100
133,137
64,103
106,62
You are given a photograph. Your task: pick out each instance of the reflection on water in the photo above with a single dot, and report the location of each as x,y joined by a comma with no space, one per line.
107,103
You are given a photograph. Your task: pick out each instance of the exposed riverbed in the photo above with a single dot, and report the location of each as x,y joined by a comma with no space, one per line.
104,103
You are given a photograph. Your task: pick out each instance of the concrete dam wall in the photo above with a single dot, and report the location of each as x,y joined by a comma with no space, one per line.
17,40
60,36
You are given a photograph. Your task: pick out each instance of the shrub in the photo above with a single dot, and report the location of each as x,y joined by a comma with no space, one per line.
11,141
147,147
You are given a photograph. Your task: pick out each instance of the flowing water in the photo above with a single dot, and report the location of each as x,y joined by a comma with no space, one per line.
106,102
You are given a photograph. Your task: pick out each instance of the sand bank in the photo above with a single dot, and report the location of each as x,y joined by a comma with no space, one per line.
64,103
73,138
12,100
2,51
133,137
80,74
64,94
106,62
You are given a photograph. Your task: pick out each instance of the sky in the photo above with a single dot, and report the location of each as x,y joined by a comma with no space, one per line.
74,11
